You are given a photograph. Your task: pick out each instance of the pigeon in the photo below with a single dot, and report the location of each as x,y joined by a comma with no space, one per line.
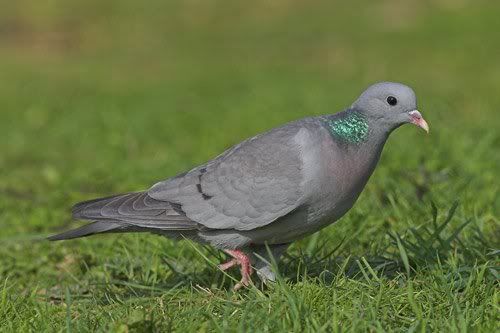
262,194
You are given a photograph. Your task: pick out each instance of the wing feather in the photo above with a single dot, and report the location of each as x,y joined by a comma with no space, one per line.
247,187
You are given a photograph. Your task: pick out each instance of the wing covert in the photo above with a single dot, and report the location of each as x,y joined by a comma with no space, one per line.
246,187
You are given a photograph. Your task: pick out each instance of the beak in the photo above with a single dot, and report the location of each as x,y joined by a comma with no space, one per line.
417,119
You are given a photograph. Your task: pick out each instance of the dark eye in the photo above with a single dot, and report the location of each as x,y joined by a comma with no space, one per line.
392,100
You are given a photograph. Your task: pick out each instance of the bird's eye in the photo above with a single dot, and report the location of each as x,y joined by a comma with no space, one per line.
392,100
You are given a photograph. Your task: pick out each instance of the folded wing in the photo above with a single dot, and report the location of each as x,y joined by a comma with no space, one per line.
246,187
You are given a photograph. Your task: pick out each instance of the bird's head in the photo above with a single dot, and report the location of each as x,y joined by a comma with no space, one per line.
390,105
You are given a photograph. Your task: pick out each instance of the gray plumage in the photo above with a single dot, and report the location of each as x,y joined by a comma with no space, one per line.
271,189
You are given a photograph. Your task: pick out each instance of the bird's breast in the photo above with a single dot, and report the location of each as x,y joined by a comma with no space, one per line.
340,176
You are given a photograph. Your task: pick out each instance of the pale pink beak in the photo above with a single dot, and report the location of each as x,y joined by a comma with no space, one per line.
417,119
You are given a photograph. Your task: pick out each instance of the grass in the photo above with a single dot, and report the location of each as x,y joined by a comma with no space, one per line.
98,98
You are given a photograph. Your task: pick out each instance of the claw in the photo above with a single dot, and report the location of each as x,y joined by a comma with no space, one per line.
240,285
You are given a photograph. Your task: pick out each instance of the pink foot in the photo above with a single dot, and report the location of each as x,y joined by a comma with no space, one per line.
240,258
227,265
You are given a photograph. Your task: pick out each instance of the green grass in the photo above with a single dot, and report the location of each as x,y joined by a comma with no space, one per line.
103,97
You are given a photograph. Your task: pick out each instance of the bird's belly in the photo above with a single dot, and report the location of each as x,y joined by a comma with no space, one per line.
335,201
292,227
284,230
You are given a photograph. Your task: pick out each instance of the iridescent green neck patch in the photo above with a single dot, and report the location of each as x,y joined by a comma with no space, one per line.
352,128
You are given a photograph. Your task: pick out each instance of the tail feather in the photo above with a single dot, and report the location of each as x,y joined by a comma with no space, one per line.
86,230
92,208
128,212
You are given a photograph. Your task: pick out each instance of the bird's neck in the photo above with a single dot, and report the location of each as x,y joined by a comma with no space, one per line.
361,141
349,127
356,132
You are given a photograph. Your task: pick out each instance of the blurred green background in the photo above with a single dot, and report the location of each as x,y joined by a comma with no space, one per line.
98,97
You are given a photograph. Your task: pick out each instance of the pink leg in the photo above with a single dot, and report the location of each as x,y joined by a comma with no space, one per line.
240,258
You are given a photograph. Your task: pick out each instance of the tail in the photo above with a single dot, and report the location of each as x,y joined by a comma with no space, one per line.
86,230
125,213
